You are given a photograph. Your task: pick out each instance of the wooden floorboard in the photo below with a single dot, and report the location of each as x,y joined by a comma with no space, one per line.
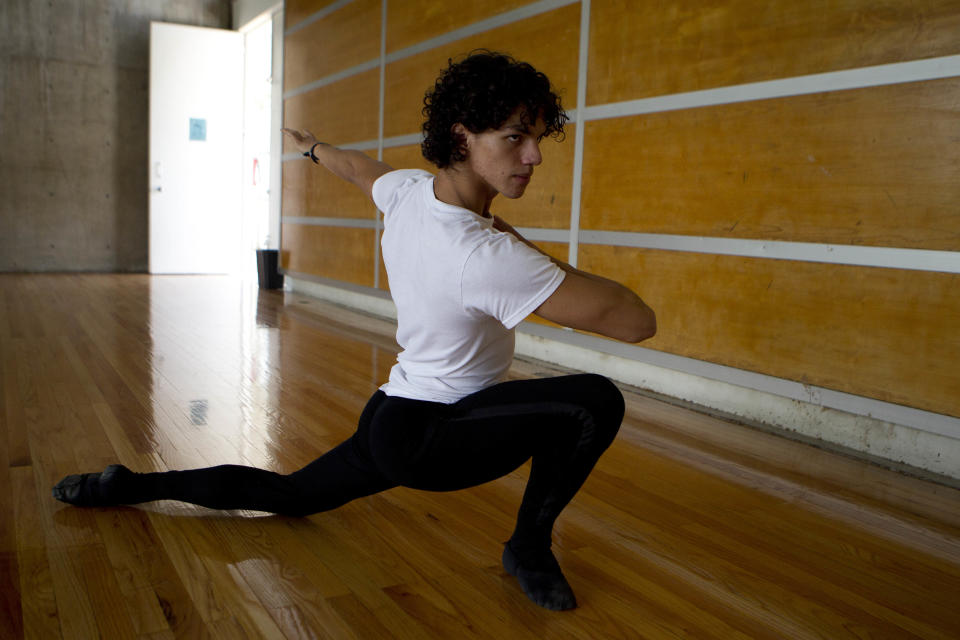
690,526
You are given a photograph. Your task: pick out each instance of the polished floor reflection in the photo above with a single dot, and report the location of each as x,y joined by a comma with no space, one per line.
689,527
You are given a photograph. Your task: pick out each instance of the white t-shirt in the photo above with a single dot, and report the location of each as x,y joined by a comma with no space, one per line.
460,287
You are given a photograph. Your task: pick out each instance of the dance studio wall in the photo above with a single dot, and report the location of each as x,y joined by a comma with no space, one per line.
780,180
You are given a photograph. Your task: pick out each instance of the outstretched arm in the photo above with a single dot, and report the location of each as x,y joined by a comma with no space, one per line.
593,303
353,166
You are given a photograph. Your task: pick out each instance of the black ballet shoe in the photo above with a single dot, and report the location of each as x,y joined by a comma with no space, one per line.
104,489
545,585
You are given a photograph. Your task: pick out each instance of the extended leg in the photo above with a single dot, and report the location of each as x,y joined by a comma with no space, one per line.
339,476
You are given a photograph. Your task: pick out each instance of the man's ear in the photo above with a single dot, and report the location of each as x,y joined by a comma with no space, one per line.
461,138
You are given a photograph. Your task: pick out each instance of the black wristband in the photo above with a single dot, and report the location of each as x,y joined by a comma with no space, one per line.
309,154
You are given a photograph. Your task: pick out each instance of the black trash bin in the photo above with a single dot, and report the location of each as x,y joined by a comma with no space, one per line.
268,269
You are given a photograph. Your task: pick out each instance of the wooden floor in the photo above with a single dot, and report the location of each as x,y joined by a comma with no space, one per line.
689,527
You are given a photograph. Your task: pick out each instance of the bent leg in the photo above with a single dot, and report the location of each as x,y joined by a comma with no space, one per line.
568,422
563,423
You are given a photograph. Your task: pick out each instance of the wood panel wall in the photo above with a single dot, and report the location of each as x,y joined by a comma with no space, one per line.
876,166
866,166
687,45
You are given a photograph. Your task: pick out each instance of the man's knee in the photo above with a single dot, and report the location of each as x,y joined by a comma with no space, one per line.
607,406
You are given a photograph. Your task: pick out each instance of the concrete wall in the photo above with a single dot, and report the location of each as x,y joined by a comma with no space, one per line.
74,81
246,11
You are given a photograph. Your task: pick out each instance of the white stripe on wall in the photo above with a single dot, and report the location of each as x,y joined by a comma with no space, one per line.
319,15
885,74
854,255
539,234
875,76
894,258
363,145
317,221
573,250
400,141
889,257
335,77
380,118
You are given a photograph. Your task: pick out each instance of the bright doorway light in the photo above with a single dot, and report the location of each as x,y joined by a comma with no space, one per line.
257,128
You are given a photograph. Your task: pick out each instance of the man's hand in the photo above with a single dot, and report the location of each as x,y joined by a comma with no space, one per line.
353,166
303,139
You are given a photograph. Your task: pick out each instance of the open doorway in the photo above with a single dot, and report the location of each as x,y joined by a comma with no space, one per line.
215,185
261,137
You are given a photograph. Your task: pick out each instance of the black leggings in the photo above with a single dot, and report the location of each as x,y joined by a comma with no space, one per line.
563,423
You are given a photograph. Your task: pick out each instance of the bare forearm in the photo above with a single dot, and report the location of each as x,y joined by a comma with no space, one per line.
348,164
619,312
353,166
592,303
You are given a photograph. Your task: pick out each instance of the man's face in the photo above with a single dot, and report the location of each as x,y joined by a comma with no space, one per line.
503,159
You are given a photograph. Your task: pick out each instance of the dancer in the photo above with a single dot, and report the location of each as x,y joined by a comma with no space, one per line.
462,279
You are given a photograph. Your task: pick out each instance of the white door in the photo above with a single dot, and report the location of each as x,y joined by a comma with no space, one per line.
196,116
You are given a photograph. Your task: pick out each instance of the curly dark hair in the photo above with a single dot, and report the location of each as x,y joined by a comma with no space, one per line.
481,92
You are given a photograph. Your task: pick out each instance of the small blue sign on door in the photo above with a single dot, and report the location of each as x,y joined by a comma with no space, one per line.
198,129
